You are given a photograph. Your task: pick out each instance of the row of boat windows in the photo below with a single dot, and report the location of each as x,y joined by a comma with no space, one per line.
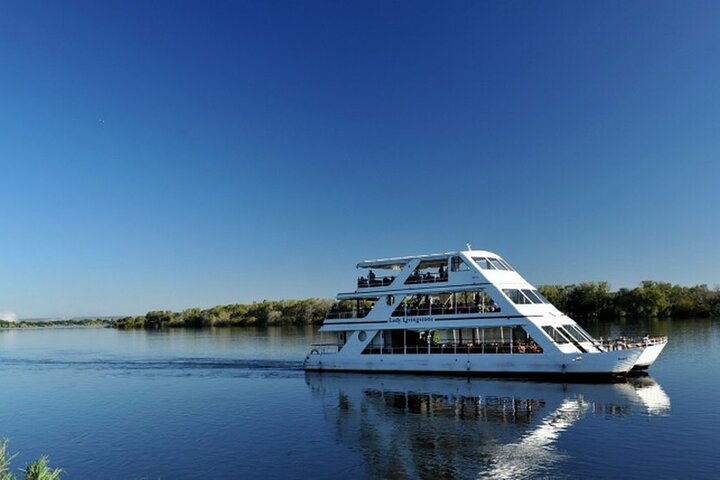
444,303
568,334
524,296
488,263
470,301
451,341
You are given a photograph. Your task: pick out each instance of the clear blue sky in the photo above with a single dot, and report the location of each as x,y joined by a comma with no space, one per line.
163,155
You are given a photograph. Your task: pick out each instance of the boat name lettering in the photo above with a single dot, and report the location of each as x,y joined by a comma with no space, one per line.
411,319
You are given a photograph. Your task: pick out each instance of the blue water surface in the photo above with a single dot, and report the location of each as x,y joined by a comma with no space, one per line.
235,403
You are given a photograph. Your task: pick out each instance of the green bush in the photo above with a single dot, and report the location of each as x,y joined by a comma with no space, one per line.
37,470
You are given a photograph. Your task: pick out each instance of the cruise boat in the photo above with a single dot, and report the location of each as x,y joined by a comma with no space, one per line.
464,312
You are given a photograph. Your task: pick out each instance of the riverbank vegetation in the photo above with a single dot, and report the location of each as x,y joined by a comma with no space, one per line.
650,299
260,314
583,301
77,322
38,470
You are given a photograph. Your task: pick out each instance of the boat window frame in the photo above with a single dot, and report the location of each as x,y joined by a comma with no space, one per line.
584,335
506,292
497,263
483,263
507,265
457,263
532,292
545,328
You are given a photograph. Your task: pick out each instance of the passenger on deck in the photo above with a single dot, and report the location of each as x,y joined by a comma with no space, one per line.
491,306
442,272
414,277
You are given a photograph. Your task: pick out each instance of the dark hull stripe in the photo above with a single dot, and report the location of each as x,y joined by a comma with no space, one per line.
587,377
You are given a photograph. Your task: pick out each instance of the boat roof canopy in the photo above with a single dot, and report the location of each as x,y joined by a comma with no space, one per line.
397,263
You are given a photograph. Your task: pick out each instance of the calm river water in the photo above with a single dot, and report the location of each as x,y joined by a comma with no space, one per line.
107,404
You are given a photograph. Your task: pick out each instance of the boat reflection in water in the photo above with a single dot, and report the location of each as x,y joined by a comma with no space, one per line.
421,427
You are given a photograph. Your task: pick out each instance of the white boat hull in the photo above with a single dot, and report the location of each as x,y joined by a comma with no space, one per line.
600,363
648,356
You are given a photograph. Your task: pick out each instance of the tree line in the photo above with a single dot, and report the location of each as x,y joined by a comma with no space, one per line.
74,322
260,314
650,299
583,301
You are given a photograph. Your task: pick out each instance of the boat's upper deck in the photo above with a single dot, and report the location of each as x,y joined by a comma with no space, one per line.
452,268
451,285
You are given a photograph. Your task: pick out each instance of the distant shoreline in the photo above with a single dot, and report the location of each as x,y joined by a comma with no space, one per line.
84,322
587,301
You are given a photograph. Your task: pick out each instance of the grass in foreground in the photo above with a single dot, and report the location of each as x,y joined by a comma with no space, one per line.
37,470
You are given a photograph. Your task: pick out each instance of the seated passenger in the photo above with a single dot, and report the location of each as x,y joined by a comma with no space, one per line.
414,277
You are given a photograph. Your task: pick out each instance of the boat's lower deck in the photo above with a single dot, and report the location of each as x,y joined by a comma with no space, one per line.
516,349
601,363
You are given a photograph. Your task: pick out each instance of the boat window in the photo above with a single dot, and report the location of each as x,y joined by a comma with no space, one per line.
353,308
429,271
374,280
457,264
490,263
484,263
507,265
571,334
487,340
390,299
475,301
523,342
447,303
584,333
531,295
577,333
497,264
555,335
516,296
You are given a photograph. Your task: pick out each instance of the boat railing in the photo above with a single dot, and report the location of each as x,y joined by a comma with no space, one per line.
333,315
414,311
450,348
324,348
374,282
415,279
623,343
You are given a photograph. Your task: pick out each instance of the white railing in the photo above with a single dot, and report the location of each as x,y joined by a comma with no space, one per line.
622,343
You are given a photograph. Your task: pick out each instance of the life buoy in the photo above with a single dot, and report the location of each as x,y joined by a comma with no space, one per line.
314,351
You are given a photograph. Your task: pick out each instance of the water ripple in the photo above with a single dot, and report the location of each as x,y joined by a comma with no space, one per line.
175,363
